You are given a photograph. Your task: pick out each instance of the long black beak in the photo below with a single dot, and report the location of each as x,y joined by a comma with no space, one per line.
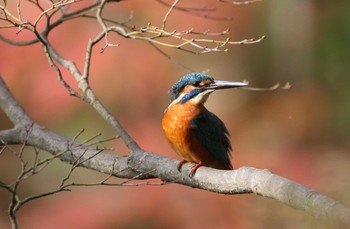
219,84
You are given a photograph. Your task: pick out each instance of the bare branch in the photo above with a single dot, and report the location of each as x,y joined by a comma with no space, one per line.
203,12
275,87
165,19
240,2
198,43
171,58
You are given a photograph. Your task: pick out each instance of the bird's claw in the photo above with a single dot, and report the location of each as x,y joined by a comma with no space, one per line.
181,163
193,169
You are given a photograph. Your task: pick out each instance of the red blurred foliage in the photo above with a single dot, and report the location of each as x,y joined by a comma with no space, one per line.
132,81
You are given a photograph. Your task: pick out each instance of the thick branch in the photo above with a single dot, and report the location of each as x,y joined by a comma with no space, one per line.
11,108
249,180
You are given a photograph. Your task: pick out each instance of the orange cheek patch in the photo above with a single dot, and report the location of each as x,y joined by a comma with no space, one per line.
206,82
187,89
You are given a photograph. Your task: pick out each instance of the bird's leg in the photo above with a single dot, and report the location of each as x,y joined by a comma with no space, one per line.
181,163
194,169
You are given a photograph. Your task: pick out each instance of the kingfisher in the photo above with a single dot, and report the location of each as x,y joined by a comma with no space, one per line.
194,133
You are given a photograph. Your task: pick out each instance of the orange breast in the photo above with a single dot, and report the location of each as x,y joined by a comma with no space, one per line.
179,133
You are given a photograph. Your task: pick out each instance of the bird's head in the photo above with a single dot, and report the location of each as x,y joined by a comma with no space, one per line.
197,87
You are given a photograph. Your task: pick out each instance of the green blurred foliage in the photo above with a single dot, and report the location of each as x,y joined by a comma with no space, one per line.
332,62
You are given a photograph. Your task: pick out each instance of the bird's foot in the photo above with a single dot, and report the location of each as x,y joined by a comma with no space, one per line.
194,169
179,166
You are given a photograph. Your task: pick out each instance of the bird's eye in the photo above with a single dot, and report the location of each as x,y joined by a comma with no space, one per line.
201,83
197,83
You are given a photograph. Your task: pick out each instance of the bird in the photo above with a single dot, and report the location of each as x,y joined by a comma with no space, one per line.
194,133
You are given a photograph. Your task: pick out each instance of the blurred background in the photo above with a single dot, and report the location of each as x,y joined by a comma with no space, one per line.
301,134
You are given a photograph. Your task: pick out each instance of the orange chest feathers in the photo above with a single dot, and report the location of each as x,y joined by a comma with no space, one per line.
177,128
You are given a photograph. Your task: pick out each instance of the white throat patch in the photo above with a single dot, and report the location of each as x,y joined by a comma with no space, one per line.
202,97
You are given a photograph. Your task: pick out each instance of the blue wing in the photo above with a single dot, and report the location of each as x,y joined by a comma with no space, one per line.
213,134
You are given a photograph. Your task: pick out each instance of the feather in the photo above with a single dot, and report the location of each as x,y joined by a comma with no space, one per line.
212,133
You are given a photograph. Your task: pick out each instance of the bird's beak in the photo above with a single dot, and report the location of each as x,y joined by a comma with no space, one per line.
218,84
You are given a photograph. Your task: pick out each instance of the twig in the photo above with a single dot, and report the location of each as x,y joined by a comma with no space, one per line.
197,43
203,12
240,3
165,19
275,87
